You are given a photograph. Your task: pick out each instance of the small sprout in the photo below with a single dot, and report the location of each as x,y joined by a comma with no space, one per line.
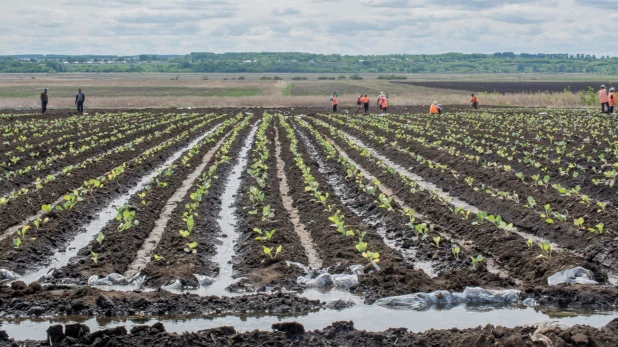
579,222
529,243
17,243
184,233
597,229
268,251
191,247
100,238
46,208
475,261
436,241
546,249
373,257
94,257
455,250
158,258
267,234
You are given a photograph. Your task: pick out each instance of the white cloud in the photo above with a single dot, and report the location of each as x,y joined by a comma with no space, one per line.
316,26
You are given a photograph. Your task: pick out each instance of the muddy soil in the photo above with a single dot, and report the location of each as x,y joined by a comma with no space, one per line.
63,226
34,300
344,334
177,264
601,249
250,260
29,204
118,250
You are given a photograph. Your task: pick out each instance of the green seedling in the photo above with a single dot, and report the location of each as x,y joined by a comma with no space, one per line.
475,261
529,243
602,207
100,238
597,228
455,250
436,241
268,251
546,249
267,213
385,202
373,257
469,181
191,248
520,176
480,218
184,233
158,258
530,203
421,230
265,235
94,257
579,223
46,208
548,213
17,243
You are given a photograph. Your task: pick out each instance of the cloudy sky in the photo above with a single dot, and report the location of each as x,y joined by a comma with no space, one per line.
126,27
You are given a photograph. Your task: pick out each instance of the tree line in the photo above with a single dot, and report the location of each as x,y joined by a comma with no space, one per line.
203,62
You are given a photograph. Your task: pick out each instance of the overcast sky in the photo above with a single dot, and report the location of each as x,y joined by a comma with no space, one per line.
127,27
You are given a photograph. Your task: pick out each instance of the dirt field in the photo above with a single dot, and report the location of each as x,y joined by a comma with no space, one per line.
225,90
512,87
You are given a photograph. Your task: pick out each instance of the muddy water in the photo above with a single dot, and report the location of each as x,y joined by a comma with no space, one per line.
62,258
224,253
305,238
370,318
144,255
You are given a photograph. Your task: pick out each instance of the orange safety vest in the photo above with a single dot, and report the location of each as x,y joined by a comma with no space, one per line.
366,100
612,99
434,109
380,100
334,100
475,99
603,96
384,102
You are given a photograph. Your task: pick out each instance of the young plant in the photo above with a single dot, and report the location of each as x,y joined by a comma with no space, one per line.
94,257
436,241
455,250
373,257
268,251
267,213
597,228
157,258
530,203
100,238
579,223
385,202
475,261
191,248
529,243
548,213
265,235
421,231
546,249
480,218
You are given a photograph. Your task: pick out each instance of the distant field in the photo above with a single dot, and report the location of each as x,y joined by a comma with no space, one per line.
128,91
510,87
124,90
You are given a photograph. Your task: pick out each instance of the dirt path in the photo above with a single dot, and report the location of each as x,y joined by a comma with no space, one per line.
144,254
305,238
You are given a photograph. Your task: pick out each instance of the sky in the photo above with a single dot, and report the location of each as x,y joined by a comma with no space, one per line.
367,27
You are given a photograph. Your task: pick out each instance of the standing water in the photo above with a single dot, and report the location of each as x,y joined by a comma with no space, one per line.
61,259
227,222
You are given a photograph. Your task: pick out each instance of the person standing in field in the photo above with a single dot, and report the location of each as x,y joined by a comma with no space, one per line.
44,100
359,102
475,102
380,100
385,104
334,101
366,103
612,99
604,99
80,98
435,108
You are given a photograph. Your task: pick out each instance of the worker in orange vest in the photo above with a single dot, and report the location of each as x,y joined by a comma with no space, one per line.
612,99
604,99
366,103
475,102
384,104
359,102
334,100
380,100
435,108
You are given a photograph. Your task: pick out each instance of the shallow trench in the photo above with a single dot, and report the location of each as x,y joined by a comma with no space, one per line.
61,258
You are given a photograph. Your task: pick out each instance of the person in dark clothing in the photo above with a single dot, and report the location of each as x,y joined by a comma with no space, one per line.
79,101
333,99
44,100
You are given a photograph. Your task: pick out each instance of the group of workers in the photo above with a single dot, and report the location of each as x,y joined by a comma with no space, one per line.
80,98
363,101
608,99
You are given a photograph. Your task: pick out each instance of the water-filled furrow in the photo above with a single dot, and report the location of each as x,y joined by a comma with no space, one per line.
62,258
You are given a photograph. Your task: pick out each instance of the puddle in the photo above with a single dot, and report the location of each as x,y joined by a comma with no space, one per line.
305,238
224,252
365,317
80,241
144,255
